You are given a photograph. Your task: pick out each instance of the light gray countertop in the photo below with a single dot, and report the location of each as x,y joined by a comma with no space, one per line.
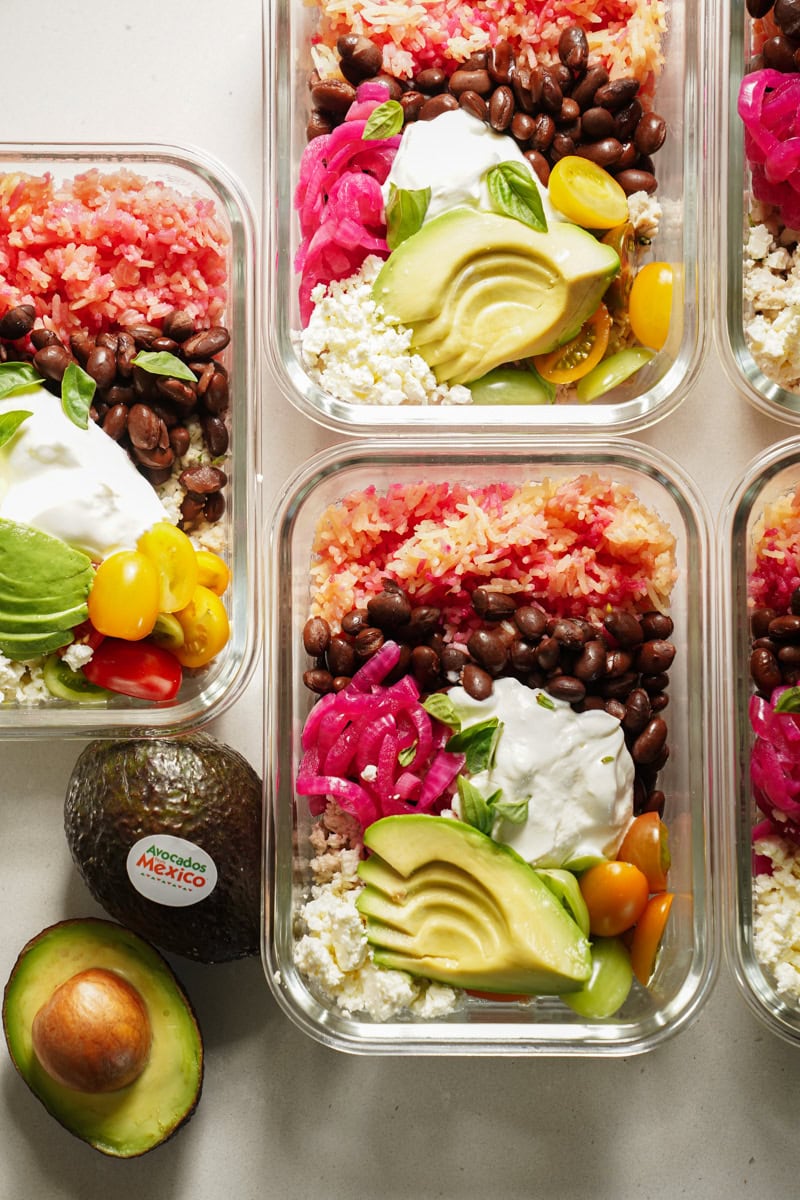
712,1112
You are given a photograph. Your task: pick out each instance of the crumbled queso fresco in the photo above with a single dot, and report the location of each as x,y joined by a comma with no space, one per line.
771,290
776,919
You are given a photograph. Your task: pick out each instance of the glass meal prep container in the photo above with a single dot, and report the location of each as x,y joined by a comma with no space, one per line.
206,691
756,316
642,399
761,917
544,1025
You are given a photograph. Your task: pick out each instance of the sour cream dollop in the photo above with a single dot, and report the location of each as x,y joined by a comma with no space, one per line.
573,769
451,155
76,484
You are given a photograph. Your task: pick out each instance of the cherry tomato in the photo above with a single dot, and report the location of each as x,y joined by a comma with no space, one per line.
647,936
650,304
137,669
611,372
606,989
615,894
586,194
87,635
646,845
511,385
212,571
205,628
621,238
173,555
576,358
123,602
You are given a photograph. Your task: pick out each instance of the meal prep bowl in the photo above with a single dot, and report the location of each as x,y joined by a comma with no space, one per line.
773,474
545,1025
643,399
205,692
732,201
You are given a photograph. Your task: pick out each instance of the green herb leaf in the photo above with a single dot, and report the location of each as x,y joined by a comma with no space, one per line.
545,701
77,393
161,362
440,706
384,121
789,701
16,377
515,811
406,755
607,758
478,742
514,194
10,423
474,808
405,213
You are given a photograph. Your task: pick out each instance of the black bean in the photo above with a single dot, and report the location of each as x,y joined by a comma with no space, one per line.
202,479
316,636
765,672
634,180
493,605
318,681
539,164
207,343
655,683
522,656
573,48
476,682
782,629
650,741
615,708
425,667
431,80
638,710
616,94
423,621
360,58
52,361
102,365
620,687
624,627
659,701
592,662
453,662
760,619
655,656
500,62
368,641
618,662
787,17
412,102
115,421
470,81
389,610
605,153
215,433
341,655
567,687
501,108
354,621
44,337
437,105
333,95
584,91
548,653
17,322
650,133
488,650
598,123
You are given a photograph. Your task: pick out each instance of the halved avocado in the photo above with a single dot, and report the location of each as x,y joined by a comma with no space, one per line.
132,1119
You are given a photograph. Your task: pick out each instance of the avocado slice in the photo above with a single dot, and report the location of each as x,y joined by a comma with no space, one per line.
142,1114
22,647
443,901
44,586
479,289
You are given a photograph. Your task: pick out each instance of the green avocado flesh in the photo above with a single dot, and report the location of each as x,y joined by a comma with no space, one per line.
444,901
479,289
135,1118
44,585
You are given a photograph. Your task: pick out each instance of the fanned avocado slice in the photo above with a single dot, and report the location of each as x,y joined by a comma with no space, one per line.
23,647
44,586
443,901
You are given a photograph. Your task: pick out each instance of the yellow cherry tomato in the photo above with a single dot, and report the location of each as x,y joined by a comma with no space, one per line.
650,304
205,628
577,357
175,560
586,194
212,571
123,602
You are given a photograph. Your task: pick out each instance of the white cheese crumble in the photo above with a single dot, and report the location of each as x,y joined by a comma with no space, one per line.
644,213
771,291
776,919
359,355
77,655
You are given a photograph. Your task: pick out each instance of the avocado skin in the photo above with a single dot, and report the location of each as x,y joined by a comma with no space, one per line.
75,941
193,787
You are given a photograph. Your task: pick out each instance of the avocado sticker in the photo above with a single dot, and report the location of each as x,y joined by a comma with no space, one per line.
170,870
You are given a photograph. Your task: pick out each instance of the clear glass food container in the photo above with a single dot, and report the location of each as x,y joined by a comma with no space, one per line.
204,692
773,474
732,200
646,397
687,961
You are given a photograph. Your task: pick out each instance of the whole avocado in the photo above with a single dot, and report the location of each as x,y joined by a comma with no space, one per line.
191,787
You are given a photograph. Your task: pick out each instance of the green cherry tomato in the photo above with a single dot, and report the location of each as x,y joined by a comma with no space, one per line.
512,385
66,684
611,372
607,988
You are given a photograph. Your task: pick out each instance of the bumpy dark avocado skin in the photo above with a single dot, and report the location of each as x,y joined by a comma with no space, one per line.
193,787
149,1111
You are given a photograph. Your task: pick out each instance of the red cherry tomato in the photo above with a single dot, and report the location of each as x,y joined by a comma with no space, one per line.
646,845
615,895
138,669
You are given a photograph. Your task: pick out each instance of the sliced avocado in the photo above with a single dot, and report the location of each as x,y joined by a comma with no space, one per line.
21,647
11,622
479,289
142,1114
445,902
44,586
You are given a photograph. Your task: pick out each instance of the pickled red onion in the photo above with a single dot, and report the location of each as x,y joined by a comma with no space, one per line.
775,767
769,106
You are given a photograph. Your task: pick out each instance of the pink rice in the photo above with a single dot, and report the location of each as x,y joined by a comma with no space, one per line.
776,549
576,547
103,250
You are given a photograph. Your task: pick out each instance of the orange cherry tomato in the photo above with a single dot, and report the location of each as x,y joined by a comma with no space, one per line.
213,571
123,601
615,894
577,357
648,934
646,845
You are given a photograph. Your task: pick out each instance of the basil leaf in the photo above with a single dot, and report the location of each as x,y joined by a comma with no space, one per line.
77,393
478,742
607,758
406,755
474,809
16,376
515,194
405,213
384,121
545,701
440,706
10,423
515,811
789,701
161,362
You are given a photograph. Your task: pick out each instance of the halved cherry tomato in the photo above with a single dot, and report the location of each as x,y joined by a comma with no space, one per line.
647,936
137,669
86,635
650,304
173,555
621,238
205,628
212,571
576,358
586,194
615,894
607,988
123,601
646,845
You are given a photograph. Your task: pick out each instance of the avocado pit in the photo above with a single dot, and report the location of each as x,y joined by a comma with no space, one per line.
93,1034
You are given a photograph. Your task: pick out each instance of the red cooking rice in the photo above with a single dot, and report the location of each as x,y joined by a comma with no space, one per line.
103,250
776,549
